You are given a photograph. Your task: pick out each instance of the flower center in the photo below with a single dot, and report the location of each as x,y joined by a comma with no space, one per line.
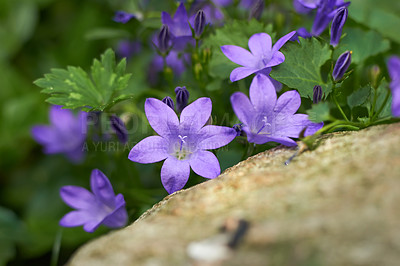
265,125
183,151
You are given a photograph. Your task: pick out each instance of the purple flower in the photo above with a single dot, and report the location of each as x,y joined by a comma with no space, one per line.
394,72
341,66
94,209
337,25
66,134
247,4
183,143
122,17
179,28
300,7
266,118
317,94
262,57
199,23
164,40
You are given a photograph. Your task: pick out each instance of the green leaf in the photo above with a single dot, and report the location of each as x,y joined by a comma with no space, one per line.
319,112
74,88
301,69
363,44
359,97
382,16
236,33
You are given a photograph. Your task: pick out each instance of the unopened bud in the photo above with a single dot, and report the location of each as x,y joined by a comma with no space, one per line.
182,98
337,25
317,94
256,9
168,101
374,74
341,66
164,39
199,23
119,128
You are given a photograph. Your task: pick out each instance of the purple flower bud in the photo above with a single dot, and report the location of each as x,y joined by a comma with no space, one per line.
317,95
168,101
119,128
182,97
341,66
122,17
337,25
256,9
164,39
199,23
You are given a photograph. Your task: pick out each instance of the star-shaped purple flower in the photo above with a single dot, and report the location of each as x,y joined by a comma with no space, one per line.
183,143
94,209
266,118
122,17
179,28
66,134
394,72
260,59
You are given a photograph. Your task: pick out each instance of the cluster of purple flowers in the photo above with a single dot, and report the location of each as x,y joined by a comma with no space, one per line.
185,134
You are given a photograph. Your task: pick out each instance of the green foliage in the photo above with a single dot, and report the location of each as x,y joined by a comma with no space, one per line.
365,97
382,16
319,112
302,67
364,44
11,232
236,33
74,88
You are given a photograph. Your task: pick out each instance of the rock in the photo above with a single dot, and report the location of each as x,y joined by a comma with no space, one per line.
336,205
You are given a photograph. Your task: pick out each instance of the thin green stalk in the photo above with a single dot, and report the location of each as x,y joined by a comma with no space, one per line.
382,106
56,248
340,108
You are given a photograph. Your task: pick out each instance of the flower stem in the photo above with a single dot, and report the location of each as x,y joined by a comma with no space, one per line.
382,106
340,108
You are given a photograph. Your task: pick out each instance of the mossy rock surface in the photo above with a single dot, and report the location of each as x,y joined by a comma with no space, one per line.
336,205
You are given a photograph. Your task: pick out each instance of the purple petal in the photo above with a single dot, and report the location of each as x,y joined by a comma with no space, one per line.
215,137
161,118
239,55
102,188
310,3
44,134
77,197
241,72
284,141
294,124
395,88
119,217
282,41
92,225
166,19
205,164
75,218
242,107
394,67
150,150
288,103
196,114
174,174
260,45
277,59
62,118
262,94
